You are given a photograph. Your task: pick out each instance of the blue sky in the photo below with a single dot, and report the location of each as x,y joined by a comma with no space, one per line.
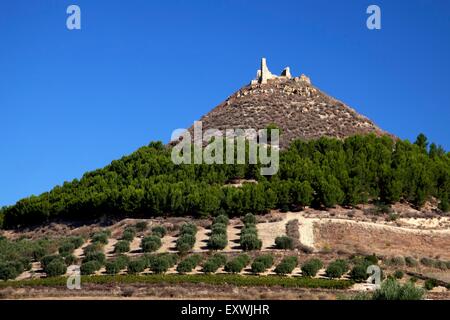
72,101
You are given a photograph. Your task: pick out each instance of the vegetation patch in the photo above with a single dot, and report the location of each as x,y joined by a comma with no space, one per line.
213,279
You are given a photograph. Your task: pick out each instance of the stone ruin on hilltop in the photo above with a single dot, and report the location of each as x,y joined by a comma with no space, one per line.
263,75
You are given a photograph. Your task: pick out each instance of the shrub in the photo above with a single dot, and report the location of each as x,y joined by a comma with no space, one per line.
440,265
185,242
427,262
150,243
188,228
210,266
258,267
234,266
112,267
217,242
219,258
398,261
219,228
90,267
249,229
100,237
430,284
411,262
237,264
38,253
93,247
122,246
136,266
122,261
250,242
249,219
221,219
8,271
56,267
265,259
284,242
47,259
160,264
183,247
336,269
159,231
95,256
371,259
76,241
171,258
66,248
243,258
398,274
141,226
311,267
359,273
128,234
286,266
188,264
391,290
70,259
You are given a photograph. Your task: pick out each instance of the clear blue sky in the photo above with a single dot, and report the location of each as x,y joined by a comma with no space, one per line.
72,101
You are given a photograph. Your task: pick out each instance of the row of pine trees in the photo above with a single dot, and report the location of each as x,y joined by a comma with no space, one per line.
320,173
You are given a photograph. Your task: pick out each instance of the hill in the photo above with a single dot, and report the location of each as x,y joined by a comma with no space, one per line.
298,108
331,156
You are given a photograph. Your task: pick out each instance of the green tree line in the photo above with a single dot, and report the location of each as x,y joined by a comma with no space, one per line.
321,173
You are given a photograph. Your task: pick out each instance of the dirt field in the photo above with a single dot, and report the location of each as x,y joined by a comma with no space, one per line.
359,237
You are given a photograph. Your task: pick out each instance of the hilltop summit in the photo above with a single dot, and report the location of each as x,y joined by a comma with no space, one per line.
297,107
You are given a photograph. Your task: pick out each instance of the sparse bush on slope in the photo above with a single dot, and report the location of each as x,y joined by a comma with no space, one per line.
122,246
236,264
218,239
213,263
159,231
284,243
311,267
90,267
262,263
151,243
249,234
189,263
186,239
391,290
286,266
56,268
336,269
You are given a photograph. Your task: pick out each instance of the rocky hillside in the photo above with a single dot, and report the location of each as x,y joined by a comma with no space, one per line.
298,108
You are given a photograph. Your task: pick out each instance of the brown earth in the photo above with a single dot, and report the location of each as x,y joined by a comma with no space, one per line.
298,108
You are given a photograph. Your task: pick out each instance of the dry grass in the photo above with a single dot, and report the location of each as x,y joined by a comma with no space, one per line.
361,239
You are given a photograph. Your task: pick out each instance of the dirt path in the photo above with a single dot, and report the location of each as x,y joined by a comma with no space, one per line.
168,244
268,231
201,240
79,252
233,232
108,249
306,229
135,246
